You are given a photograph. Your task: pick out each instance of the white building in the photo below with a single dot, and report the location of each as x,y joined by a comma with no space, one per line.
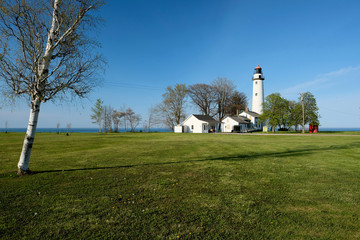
258,91
246,121
235,124
254,119
198,124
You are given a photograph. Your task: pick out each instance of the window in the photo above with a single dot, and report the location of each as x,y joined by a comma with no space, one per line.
255,94
255,82
192,127
204,127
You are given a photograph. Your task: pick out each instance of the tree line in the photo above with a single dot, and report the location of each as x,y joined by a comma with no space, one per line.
110,119
220,99
217,99
284,114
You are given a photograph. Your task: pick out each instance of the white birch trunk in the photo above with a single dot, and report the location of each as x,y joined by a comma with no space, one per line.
23,165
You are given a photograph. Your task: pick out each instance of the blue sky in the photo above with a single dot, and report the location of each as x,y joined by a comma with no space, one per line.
301,46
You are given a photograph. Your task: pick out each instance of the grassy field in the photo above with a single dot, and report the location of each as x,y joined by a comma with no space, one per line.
181,186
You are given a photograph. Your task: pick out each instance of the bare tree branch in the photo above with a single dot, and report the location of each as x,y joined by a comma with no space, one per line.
46,54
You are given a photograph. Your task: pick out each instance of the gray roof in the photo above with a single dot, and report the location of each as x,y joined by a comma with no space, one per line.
205,118
240,119
254,114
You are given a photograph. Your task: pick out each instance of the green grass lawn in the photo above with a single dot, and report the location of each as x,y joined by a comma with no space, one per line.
181,186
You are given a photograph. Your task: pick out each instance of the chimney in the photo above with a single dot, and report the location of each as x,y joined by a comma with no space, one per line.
237,112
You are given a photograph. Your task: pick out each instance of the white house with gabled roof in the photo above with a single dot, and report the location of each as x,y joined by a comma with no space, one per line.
198,124
246,121
254,119
235,124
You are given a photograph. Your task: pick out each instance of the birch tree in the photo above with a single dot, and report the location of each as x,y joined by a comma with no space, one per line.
107,118
97,113
47,54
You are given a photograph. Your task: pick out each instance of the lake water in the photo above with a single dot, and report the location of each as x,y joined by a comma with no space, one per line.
80,130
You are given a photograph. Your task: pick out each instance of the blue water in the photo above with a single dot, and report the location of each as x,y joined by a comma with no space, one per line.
339,129
79,130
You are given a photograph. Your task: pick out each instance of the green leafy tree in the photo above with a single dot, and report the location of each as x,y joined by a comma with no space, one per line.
295,117
275,111
97,113
311,110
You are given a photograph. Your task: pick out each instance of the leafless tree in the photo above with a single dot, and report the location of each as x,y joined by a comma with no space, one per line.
58,128
116,117
203,96
223,88
107,118
238,101
123,122
133,119
46,54
152,120
68,126
146,126
172,108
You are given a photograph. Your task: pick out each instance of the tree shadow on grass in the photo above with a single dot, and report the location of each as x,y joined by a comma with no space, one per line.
232,158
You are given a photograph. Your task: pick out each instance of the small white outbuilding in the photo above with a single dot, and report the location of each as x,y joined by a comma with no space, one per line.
199,124
179,129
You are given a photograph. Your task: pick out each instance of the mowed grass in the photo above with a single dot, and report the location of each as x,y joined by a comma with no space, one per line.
181,186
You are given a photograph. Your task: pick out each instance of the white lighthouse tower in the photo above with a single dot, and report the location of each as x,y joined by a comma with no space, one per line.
258,91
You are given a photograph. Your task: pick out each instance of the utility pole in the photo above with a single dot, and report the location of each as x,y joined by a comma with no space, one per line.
303,113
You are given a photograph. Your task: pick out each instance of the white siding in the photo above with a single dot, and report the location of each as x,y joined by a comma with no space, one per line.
193,125
258,96
178,129
228,124
252,118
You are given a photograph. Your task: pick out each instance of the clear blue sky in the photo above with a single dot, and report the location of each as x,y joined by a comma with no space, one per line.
301,46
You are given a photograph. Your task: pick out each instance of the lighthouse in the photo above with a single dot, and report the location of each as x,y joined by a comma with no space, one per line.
258,91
